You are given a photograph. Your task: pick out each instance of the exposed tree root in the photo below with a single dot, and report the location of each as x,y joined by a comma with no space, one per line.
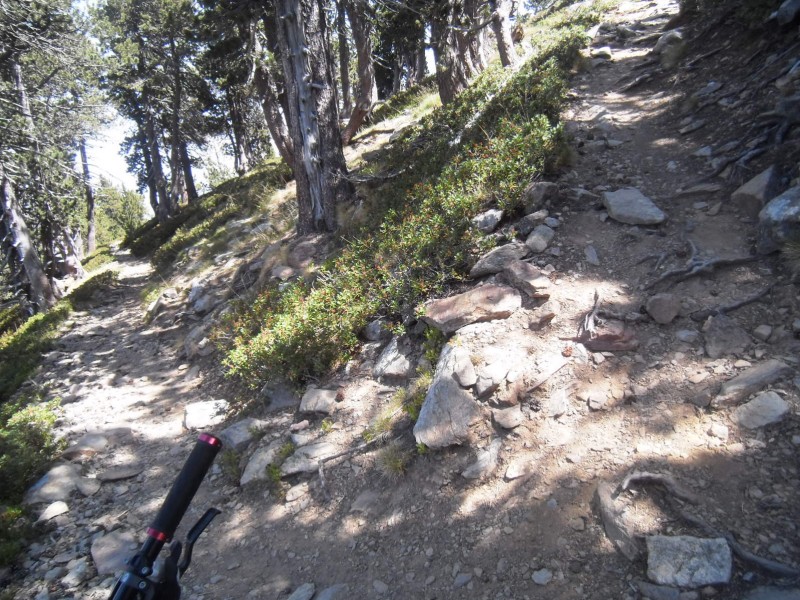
702,315
666,481
696,266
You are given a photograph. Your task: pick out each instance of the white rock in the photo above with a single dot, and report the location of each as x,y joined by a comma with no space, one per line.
764,409
205,414
318,400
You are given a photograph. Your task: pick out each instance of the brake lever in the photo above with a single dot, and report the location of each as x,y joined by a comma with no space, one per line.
192,537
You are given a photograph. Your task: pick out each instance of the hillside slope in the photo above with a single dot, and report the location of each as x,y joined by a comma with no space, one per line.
582,348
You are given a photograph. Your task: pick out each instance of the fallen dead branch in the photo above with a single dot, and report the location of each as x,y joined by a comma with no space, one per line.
637,82
664,480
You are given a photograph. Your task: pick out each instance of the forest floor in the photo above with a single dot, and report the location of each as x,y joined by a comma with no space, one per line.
529,529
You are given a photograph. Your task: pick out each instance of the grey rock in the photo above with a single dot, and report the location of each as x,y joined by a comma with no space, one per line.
197,342
486,462
778,221
687,336
55,573
239,435
393,363
484,303
380,587
751,197
539,195
448,410
120,472
539,239
339,591
527,278
490,377
318,400
764,409
280,396
57,484
708,89
111,551
306,459
205,414
591,255
376,331
304,592
508,418
542,576
87,446
750,381
723,337
527,223
603,52
88,487
557,404
463,370
462,579
498,258
762,332
53,510
552,222
256,468
688,562
663,307
630,206
365,502
297,491
487,221
519,467
77,574
773,593
692,126
658,592
669,38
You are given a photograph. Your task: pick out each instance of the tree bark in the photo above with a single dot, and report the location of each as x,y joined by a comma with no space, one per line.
241,150
188,176
276,120
313,117
148,167
27,270
163,209
501,25
91,242
177,186
344,59
452,72
361,25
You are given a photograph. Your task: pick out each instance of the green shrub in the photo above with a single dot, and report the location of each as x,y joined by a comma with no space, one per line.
420,239
404,100
14,528
11,317
100,257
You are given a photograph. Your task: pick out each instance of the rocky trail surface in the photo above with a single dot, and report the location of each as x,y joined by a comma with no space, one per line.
595,428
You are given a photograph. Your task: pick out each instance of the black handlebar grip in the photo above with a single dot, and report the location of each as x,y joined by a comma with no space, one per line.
185,487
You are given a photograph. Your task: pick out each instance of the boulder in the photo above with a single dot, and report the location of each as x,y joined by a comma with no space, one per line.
448,410
723,337
663,307
256,469
484,303
318,400
688,562
393,363
540,238
498,258
527,278
630,206
779,221
751,197
57,485
539,195
487,222
751,381
376,331
764,409
205,414
239,435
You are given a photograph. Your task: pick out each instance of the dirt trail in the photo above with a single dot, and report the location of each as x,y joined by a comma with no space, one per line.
432,533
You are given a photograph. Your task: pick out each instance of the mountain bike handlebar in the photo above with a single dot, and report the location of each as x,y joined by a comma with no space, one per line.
135,583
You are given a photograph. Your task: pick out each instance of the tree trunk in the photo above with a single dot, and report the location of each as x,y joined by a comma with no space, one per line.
177,186
27,271
91,242
452,76
241,149
344,59
276,120
361,25
501,25
313,117
148,167
163,209
188,176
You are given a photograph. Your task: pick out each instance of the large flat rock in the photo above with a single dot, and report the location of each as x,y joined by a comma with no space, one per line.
631,206
484,303
57,484
765,409
750,381
448,410
688,562
498,258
